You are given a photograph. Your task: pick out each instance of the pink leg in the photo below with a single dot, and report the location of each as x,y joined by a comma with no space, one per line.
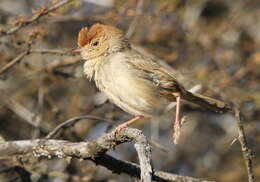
178,121
126,124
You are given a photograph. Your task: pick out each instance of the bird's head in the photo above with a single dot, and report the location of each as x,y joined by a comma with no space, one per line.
100,40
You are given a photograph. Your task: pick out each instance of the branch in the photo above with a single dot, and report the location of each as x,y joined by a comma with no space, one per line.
247,153
138,12
19,58
14,61
54,51
94,150
42,12
71,122
132,169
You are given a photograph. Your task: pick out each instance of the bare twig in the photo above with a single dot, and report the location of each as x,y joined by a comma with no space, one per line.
138,12
53,51
15,61
19,58
42,12
27,115
121,12
71,122
247,153
39,112
159,146
94,150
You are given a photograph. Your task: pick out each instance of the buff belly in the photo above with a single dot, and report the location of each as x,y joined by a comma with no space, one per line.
131,93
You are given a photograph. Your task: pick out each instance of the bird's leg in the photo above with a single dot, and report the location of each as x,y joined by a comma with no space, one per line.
126,124
178,121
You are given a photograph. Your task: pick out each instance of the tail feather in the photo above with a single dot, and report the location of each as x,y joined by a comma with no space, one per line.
204,101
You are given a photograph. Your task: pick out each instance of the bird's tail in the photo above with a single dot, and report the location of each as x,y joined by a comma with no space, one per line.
204,101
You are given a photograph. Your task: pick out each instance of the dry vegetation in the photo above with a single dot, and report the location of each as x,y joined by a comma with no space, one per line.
213,46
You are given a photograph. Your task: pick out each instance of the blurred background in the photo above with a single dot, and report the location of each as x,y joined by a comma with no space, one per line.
212,46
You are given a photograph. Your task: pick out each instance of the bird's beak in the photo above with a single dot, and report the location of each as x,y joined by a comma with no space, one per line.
76,50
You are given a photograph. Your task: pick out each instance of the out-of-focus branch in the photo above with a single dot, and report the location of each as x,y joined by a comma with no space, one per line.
28,51
20,110
25,114
94,150
16,60
53,51
37,15
138,12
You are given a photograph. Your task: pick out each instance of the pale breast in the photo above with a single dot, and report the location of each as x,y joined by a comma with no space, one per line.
127,90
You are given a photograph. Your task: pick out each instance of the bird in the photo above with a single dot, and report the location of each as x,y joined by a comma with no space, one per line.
135,83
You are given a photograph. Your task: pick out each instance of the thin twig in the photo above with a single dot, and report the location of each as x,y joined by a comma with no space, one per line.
159,146
138,13
53,51
15,61
247,153
71,122
42,12
39,112
19,58
21,111
24,113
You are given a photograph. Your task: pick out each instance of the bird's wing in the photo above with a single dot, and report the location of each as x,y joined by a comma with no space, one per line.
148,69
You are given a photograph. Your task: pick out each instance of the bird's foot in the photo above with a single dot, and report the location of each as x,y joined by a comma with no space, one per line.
126,124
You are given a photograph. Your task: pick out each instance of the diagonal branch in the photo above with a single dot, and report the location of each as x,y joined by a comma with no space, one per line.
15,61
42,12
71,122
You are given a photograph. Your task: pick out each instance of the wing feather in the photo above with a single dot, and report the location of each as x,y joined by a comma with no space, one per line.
148,69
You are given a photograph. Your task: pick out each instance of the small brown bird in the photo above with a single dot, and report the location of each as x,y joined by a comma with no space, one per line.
135,83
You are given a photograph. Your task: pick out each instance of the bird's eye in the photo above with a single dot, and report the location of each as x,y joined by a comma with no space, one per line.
95,43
